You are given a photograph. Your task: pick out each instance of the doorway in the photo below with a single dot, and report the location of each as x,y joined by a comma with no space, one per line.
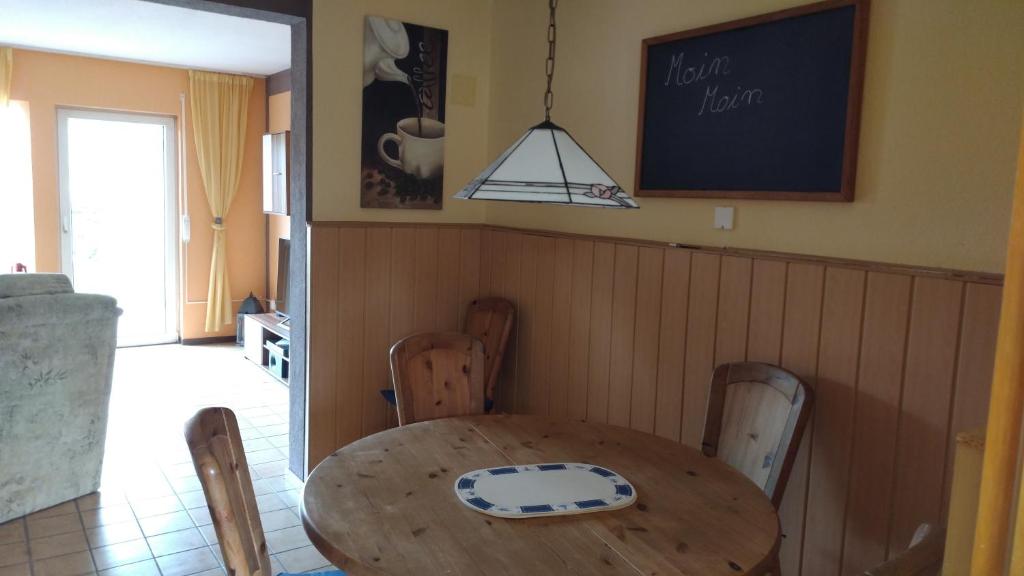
118,198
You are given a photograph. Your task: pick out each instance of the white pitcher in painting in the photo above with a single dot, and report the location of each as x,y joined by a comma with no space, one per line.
420,152
384,41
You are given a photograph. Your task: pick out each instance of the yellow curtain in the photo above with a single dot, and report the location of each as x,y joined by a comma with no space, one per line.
6,71
1002,438
220,105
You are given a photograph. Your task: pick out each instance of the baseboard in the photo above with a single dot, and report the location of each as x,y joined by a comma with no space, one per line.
210,340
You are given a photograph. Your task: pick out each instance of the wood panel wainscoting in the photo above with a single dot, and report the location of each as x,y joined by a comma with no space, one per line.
628,333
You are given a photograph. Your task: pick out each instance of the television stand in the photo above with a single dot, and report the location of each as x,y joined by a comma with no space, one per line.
264,335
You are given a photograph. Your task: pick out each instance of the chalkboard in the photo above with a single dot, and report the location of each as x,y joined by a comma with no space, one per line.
765,107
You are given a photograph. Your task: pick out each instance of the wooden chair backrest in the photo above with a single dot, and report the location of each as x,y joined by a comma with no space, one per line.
756,416
490,320
923,558
437,375
216,446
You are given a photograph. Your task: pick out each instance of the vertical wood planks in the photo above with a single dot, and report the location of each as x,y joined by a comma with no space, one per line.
672,343
925,407
838,352
767,305
403,283
349,341
528,311
600,331
322,330
470,281
974,369
645,348
620,386
487,256
629,333
424,290
733,310
511,288
700,345
542,325
377,330
561,324
579,330
801,323
450,306
879,380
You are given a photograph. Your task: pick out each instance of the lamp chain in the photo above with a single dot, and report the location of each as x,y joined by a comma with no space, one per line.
549,97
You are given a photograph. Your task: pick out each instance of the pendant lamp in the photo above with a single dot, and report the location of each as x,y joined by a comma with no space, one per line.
546,164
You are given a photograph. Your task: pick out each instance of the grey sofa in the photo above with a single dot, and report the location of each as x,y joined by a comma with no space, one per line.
56,367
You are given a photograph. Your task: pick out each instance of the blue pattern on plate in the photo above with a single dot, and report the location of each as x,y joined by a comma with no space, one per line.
498,471
546,467
480,503
466,489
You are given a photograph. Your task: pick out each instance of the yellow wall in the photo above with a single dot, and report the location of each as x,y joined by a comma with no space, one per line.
279,110
337,103
47,81
942,104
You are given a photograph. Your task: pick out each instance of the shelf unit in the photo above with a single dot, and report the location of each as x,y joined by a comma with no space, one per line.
262,331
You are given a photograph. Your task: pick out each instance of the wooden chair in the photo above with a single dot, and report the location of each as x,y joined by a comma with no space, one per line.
923,558
756,416
490,320
436,375
216,446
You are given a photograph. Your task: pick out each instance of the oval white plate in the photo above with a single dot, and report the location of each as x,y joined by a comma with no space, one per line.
553,489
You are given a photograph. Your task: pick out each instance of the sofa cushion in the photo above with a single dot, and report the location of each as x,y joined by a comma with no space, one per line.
14,285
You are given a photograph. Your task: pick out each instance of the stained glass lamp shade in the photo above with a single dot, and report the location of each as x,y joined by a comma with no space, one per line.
547,165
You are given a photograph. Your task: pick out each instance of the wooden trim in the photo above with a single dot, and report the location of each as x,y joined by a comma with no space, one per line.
868,265
853,109
962,275
207,340
419,361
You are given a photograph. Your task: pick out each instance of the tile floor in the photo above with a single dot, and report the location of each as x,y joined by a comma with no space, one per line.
149,517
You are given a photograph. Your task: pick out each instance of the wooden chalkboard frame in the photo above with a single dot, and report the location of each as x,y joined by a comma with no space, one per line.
853,108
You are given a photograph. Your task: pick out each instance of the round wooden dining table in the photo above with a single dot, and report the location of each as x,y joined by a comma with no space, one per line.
386,504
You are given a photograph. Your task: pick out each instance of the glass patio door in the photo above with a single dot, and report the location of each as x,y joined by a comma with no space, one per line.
118,216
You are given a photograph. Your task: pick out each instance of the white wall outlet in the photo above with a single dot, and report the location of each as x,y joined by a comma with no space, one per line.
724,217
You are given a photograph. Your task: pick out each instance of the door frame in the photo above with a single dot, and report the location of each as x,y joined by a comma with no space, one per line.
297,14
171,233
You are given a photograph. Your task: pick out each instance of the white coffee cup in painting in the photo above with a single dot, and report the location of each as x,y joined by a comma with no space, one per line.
421,155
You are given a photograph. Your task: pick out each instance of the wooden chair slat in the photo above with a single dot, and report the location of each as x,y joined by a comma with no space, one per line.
490,320
756,416
437,375
219,457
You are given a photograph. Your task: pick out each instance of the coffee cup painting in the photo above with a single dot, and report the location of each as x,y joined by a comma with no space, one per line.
404,71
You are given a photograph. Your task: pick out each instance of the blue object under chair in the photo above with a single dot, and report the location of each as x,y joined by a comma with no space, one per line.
324,573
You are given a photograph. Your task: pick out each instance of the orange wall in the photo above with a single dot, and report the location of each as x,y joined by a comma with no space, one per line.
279,118
48,81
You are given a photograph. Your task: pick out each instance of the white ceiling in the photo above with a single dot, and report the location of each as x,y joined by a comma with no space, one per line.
140,31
